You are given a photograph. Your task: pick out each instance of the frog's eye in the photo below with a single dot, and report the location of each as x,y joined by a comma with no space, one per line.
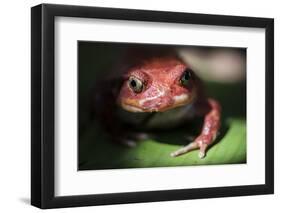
135,84
185,77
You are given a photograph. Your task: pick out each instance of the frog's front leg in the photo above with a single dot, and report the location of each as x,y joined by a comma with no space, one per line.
209,131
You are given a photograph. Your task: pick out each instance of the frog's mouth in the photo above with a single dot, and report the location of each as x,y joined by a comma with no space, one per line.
158,104
132,108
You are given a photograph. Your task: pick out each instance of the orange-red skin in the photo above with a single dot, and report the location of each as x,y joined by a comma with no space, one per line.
212,123
161,77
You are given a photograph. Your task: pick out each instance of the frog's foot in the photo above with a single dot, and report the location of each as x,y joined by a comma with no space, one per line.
193,145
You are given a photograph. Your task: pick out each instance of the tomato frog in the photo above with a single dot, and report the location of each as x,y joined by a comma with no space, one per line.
153,88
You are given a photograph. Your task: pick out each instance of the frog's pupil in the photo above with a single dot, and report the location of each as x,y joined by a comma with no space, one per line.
136,85
186,76
133,83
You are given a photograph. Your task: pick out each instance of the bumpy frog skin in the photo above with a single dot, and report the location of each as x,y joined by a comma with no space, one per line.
156,84
162,90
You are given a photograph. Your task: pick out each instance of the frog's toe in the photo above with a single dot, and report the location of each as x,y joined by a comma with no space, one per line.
185,149
201,154
202,151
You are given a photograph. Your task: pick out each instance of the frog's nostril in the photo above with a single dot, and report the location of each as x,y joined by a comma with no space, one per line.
133,83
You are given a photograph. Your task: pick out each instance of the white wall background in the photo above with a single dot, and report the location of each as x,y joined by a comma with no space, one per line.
15,105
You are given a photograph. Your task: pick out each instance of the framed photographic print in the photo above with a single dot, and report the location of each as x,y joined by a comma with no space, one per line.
140,106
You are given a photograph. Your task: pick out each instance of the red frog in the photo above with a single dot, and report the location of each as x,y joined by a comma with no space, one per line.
155,88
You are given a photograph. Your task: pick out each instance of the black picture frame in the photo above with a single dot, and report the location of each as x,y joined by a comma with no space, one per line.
43,117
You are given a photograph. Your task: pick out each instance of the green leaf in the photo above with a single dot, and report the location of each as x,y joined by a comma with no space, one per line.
97,152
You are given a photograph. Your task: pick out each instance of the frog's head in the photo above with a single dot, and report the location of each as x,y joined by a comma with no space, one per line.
157,85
